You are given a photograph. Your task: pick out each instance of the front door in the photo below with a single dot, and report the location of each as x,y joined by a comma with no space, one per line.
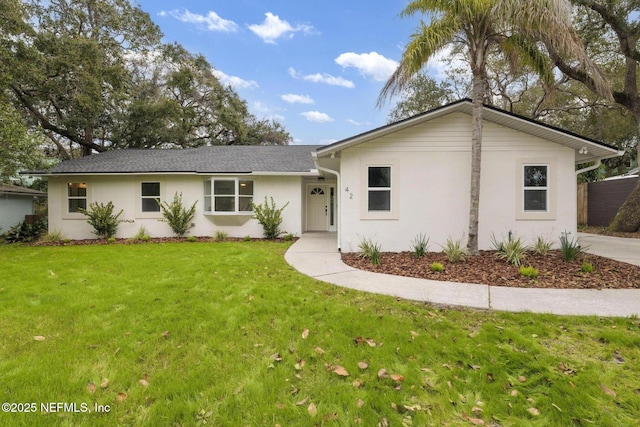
317,208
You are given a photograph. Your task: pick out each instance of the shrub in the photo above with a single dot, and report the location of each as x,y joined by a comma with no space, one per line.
247,238
570,248
192,239
178,217
513,250
53,236
436,267
288,237
25,232
142,235
270,217
454,250
111,240
420,245
542,246
220,236
528,271
587,267
370,250
102,219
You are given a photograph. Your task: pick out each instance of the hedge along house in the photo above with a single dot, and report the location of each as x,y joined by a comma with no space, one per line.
388,184
413,177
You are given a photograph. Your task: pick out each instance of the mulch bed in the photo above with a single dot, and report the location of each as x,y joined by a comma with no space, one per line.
488,269
201,239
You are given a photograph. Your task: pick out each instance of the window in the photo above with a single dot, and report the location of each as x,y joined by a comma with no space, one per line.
379,189
228,195
535,188
76,196
150,195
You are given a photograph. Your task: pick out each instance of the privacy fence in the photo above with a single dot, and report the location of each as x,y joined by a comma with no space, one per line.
598,202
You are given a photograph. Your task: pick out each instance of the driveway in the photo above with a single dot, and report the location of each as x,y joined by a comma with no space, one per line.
618,248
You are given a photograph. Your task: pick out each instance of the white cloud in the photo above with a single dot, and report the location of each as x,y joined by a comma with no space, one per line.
316,116
212,21
234,81
372,64
353,122
292,98
322,78
273,28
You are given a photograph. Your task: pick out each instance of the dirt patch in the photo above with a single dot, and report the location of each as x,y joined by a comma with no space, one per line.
488,269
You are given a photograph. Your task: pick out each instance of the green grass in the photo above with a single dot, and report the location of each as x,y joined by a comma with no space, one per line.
217,330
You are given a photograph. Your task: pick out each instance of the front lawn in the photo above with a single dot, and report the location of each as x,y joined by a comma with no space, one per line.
228,334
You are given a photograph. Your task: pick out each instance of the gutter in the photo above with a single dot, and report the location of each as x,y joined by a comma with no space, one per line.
314,155
599,162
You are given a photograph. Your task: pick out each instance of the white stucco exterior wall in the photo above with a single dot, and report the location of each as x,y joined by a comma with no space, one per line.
124,192
431,164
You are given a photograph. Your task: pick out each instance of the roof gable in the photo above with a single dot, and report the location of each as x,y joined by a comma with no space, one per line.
586,149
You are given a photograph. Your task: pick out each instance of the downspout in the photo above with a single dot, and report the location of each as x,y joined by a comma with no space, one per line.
598,162
338,201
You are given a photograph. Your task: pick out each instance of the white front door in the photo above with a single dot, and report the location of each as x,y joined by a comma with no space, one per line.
317,208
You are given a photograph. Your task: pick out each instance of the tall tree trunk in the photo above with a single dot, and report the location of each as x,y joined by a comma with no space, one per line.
627,218
476,152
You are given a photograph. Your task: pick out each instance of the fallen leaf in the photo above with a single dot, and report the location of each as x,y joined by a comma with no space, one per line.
371,342
39,338
382,373
302,402
144,382
165,334
105,383
299,365
383,423
607,390
276,357
121,397
357,383
522,378
396,377
533,411
318,350
91,388
340,370
476,410
313,411
360,403
330,417
514,392
474,421
556,406
250,297
305,333
363,365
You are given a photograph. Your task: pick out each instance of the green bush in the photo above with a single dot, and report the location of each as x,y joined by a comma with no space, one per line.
587,267
219,236
513,250
102,219
420,245
111,240
270,217
529,272
192,239
542,246
53,236
247,238
288,237
436,267
142,235
178,217
454,250
25,232
370,250
570,248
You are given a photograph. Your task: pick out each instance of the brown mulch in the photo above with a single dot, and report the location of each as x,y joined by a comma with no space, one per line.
201,239
488,269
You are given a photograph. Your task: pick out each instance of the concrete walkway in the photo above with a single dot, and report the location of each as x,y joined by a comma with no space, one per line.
315,255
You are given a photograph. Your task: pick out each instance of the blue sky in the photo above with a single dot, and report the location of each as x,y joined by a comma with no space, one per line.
315,66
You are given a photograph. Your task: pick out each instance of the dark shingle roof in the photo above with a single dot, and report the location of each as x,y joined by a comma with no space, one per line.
214,159
19,191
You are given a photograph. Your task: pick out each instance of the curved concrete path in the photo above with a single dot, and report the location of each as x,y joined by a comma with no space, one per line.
315,255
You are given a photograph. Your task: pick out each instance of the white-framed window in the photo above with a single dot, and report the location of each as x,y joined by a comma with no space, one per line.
76,196
228,195
535,187
150,196
379,188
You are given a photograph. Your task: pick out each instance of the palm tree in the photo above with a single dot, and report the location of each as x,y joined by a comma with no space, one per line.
483,27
